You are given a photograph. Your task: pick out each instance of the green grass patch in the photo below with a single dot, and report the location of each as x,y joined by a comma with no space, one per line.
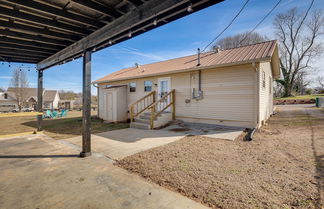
69,127
301,97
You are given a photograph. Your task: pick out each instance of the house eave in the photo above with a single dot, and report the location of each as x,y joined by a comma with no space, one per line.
266,59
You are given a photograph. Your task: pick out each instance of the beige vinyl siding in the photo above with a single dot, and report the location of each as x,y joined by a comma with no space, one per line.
266,97
139,93
228,96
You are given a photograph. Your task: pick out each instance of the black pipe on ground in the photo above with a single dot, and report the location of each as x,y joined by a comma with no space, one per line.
250,134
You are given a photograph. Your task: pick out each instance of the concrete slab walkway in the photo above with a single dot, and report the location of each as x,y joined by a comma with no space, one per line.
121,143
207,130
39,172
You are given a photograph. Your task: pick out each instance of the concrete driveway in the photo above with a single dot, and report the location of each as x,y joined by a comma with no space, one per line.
121,143
39,172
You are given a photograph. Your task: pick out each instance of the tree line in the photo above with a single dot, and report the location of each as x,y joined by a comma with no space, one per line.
299,35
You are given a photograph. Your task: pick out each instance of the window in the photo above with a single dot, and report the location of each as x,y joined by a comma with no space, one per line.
132,87
5,96
147,86
263,79
270,85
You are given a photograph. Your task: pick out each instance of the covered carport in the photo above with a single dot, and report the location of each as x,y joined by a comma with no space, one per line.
53,32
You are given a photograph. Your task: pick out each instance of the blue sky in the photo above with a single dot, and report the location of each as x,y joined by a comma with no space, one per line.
176,39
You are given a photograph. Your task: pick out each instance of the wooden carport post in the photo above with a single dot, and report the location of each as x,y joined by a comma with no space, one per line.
86,105
40,99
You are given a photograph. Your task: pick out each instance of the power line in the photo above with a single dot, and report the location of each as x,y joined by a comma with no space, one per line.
257,25
226,26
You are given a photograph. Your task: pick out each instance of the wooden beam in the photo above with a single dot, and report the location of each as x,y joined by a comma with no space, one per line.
37,30
43,21
14,34
20,54
57,12
86,105
99,8
4,49
122,24
23,60
29,43
26,48
118,29
136,2
40,99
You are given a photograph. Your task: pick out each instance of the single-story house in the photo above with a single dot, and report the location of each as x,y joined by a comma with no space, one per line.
66,104
51,99
232,87
29,97
7,103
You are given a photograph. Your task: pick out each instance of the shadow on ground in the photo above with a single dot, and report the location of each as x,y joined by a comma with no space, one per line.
319,160
68,127
36,156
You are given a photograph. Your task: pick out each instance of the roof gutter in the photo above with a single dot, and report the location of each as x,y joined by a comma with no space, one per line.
266,59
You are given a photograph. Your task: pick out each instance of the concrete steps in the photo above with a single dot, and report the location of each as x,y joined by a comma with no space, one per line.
140,125
143,121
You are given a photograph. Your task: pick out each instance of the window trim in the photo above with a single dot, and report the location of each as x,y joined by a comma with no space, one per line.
263,79
148,86
130,88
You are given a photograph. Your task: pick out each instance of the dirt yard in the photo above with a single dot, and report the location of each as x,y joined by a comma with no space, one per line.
283,167
60,128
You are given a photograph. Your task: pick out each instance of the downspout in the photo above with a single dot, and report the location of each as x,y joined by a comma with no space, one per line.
250,134
97,86
199,72
200,93
256,66
199,81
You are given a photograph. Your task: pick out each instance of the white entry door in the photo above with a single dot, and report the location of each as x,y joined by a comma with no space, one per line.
109,107
164,87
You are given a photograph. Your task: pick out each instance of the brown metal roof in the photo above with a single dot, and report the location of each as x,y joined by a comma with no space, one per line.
249,53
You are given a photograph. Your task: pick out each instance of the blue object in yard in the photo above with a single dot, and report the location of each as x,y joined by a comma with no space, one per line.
48,114
317,102
63,113
55,114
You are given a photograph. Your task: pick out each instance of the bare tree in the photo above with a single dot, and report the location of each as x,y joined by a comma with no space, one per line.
301,83
69,95
298,35
19,83
241,39
320,81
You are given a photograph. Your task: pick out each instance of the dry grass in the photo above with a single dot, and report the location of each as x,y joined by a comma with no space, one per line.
283,167
60,128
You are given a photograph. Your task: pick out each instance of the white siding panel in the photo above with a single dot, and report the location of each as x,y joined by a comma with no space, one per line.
228,95
266,96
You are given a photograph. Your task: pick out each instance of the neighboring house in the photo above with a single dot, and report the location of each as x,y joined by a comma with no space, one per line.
232,87
29,97
66,104
7,103
50,98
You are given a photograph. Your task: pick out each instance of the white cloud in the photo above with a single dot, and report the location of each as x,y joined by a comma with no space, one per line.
133,51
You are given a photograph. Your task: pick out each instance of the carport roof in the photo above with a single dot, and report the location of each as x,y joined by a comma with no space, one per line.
50,32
